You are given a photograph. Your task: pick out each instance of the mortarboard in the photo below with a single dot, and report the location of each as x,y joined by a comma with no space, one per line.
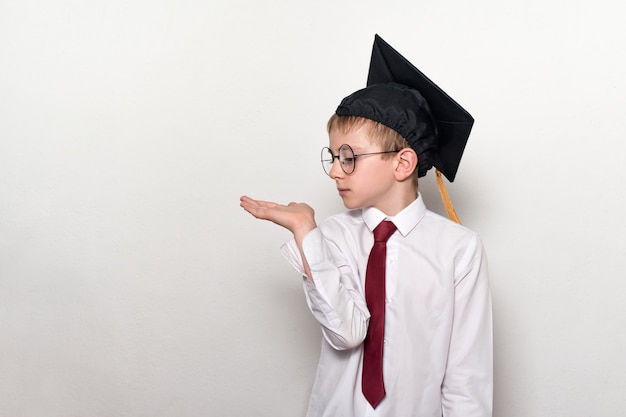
437,129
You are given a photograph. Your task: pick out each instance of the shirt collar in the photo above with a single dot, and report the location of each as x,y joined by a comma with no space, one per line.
405,221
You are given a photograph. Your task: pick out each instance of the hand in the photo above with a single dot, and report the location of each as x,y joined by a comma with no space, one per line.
299,218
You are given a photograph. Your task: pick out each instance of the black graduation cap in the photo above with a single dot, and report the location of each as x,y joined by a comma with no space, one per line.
452,123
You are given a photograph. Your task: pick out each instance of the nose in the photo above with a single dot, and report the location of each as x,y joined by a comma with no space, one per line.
335,169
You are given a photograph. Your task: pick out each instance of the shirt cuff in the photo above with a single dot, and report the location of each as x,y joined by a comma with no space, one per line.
314,247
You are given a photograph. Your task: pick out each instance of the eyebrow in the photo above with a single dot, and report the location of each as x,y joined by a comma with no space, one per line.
356,149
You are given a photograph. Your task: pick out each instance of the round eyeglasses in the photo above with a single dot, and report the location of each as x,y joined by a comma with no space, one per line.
346,156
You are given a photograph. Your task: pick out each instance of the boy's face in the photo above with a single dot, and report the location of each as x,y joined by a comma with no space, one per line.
372,181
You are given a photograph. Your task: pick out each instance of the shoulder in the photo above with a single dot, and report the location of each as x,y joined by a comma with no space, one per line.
445,233
450,243
436,221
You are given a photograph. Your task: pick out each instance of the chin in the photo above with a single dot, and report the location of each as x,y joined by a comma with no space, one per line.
351,205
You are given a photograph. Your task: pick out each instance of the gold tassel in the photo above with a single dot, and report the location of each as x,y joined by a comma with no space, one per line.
447,203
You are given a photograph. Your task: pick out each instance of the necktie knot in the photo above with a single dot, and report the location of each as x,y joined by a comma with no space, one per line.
383,231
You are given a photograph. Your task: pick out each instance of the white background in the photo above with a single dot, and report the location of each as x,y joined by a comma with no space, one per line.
132,284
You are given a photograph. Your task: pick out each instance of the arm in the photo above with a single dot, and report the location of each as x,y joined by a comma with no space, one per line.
467,389
331,282
334,299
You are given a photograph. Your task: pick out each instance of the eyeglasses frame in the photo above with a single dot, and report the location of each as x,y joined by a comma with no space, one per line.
354,155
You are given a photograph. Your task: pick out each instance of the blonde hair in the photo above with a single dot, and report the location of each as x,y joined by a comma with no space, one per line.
378,133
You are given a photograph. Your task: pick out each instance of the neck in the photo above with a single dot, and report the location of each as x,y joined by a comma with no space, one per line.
396,205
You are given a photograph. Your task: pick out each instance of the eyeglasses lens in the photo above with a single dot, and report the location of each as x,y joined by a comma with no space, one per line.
327,160
346,158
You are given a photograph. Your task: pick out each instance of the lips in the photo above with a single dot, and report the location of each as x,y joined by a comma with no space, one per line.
343,191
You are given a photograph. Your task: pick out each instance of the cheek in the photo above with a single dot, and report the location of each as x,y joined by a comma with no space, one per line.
379,171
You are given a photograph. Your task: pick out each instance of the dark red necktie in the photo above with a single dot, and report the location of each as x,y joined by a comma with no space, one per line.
372,381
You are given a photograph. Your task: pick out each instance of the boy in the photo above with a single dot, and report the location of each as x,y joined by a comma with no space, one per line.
401,293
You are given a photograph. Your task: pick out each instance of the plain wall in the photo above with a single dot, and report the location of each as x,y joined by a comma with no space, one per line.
131,282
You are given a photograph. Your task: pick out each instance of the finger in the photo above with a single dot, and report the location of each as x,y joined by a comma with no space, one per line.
249,204
246,199
259,203
259,209
254,210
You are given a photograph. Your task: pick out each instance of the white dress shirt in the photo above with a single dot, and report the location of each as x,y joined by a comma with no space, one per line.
438,328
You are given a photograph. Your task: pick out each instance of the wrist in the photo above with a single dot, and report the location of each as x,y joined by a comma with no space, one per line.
302,230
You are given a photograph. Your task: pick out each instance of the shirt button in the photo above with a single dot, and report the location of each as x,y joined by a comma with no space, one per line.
385,341
388,300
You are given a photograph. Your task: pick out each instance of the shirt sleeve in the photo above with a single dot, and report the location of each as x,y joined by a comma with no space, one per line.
467,389
333,297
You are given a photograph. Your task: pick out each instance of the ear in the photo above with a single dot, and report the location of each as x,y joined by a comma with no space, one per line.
406,164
